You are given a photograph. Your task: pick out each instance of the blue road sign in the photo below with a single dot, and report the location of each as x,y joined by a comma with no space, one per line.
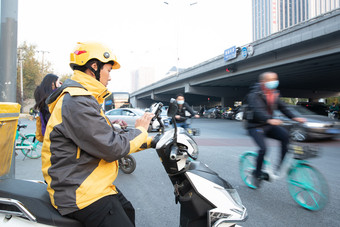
244,52
230,53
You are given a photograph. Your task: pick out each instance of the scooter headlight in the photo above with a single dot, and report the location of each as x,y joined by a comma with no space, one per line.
219,217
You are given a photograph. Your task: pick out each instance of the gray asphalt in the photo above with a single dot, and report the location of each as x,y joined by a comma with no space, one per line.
221,143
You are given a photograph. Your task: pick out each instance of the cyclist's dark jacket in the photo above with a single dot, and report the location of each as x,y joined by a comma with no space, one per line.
181,112
260,110
80,149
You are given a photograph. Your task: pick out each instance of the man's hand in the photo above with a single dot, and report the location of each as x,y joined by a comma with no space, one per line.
300,119
144,121
197,116
178,117
274,121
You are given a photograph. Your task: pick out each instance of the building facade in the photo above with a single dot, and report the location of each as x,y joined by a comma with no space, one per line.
142,77
270,16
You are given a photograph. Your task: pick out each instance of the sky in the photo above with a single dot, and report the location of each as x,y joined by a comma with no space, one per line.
147,33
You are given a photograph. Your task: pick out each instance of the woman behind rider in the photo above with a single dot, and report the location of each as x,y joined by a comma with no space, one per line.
50,83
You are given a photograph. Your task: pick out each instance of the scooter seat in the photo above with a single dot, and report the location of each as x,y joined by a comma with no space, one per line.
205,172
35,198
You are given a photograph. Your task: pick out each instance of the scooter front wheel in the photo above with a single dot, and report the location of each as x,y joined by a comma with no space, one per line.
127,164
247,166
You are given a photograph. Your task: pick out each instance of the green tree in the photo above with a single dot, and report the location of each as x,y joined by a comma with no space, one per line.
64,77
32,70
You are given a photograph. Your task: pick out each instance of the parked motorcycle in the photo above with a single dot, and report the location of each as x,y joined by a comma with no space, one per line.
206,199
128,163
229,114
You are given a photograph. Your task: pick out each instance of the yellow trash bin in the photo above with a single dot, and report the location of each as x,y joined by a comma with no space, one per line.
9,116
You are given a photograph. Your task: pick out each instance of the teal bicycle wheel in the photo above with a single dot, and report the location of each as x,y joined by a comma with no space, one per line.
31,141
247,166
308,187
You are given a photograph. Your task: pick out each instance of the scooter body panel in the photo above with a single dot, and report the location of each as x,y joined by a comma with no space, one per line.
35,199
13,221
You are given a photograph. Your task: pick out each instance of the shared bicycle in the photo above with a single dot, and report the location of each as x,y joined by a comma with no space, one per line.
306,185
28,144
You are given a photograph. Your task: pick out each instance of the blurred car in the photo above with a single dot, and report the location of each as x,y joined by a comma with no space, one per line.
317,107
209,113
316,127
129,115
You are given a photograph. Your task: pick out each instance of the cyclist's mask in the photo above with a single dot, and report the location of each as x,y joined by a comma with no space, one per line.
180,102
272,84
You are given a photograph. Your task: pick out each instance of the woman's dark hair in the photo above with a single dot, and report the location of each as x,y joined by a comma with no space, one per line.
44,90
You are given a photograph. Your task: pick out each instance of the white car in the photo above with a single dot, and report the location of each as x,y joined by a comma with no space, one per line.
130,115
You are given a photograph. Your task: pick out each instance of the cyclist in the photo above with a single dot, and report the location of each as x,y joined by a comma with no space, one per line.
183,108
262,101
81,149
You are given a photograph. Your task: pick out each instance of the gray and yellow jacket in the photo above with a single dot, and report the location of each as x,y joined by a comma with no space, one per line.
81,149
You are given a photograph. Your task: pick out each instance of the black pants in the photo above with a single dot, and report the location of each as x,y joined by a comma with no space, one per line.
113,210
271,131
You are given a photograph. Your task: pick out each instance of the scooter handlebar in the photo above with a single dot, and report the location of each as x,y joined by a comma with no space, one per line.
173,153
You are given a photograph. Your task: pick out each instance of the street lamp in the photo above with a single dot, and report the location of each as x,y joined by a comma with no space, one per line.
21,59
177,25
42,61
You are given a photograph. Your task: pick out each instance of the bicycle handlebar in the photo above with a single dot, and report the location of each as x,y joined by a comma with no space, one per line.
21,126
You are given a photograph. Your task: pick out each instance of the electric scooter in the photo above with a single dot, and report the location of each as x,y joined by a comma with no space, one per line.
205,198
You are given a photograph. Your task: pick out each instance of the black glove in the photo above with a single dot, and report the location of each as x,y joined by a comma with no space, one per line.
155,140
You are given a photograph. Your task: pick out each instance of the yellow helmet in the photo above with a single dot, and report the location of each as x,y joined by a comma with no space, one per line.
91,50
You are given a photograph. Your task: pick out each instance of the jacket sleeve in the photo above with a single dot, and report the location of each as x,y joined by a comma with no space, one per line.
191,111
259,108
89,130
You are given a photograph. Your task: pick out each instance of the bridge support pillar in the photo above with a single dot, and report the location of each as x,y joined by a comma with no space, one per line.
227,101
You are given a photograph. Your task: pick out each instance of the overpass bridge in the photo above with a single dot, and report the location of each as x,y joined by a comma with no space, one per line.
306,58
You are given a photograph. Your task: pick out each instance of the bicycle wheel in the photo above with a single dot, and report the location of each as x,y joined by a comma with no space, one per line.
247,166
33,146
308,187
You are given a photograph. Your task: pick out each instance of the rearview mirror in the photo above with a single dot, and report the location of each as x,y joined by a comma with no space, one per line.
172,108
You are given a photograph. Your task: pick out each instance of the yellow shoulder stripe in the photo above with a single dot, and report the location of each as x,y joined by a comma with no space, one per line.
75,91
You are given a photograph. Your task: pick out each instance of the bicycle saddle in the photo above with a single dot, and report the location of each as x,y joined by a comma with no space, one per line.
21,126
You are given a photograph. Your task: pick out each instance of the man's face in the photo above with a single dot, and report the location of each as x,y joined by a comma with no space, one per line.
180,98
105,74
270,77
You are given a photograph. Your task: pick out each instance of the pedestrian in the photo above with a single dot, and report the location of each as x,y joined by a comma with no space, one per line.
49,83
81,149
334,110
